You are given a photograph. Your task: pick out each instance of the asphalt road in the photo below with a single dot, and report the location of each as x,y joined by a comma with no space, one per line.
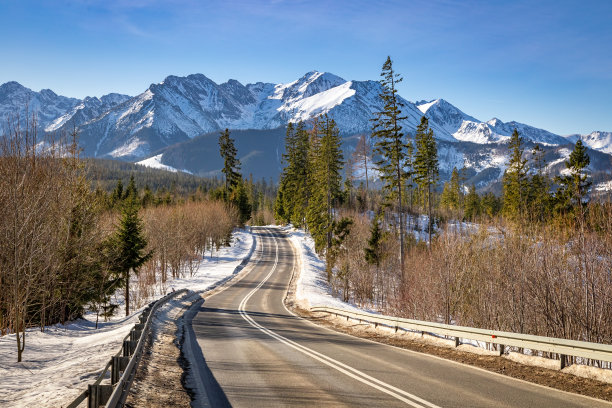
250,351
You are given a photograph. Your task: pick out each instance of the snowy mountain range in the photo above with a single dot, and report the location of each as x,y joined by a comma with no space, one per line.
180,109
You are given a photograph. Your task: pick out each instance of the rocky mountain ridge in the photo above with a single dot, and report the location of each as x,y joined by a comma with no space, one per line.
180,109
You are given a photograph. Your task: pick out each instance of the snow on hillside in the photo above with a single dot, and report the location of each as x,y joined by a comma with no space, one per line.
46,104
444,116
89,109
321,103
155,163
604,186
601,141
60,362
181,108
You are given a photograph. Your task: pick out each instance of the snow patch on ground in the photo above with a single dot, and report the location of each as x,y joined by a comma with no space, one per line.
318,104
134,147
60,362
605,186
312,288
155,163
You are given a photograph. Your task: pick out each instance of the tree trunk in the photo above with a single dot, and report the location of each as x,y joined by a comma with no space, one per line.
401,218
127,293
365,162
430,220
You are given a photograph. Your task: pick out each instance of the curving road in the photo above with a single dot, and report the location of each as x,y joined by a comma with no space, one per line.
248,350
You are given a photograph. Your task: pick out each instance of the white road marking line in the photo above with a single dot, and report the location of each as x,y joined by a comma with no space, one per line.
337,365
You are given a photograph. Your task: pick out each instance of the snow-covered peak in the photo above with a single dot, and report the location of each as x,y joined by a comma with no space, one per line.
478,132
89,109
319,103
46,104
494,122
424,106
12,87
114,99
597,140
496,131
445,118
310,84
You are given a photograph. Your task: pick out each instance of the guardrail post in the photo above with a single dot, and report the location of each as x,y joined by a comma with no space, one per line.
562,361
128,348
501,349
98,395
92,396
457,342
118,365
133,336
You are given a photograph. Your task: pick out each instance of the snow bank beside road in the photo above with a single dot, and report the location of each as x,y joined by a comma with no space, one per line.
60,362
312,288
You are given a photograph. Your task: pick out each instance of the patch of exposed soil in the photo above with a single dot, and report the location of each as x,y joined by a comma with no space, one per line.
157,382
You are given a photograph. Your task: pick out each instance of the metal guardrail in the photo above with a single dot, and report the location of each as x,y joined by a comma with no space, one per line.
594,351
123,364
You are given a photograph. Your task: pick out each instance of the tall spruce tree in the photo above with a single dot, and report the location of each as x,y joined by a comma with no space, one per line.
472,203
362,159
391,147
295,178
515,180
574,188
239,197
129,243
327,163
426,166
373,252
231,164
539,198
452,195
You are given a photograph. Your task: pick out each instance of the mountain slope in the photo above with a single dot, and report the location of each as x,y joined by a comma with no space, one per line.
88,109
17,99
182,115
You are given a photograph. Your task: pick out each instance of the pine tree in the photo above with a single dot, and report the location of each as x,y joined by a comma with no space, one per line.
515,180
231,164
472,203
131,190
539,198
574,188
327,161
148,199
240,199
117,194
129,243
300,175
362,159
452,196
373,252
490,204
295,178
340,231
279,204
390,145
426,165
347,194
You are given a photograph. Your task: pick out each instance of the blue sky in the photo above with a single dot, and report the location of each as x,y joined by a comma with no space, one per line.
545,63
